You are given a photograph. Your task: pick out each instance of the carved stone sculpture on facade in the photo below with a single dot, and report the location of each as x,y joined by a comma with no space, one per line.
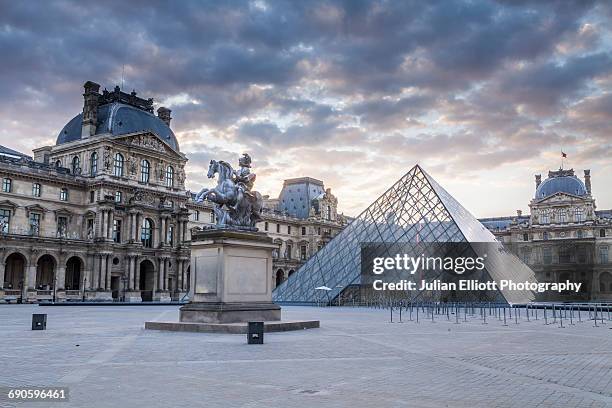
236,205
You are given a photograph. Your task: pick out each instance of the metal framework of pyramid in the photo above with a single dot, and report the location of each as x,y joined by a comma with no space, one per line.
415,209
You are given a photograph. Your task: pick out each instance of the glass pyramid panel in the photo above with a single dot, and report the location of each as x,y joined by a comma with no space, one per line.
415,210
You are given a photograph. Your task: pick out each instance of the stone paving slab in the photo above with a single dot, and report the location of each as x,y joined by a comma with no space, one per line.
356,359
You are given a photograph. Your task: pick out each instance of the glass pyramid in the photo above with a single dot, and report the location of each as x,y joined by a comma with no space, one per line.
416,209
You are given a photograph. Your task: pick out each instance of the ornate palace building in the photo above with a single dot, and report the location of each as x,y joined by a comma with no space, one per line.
564,237
104,214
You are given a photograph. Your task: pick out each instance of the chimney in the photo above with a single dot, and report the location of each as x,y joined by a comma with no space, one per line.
587,181
538,179
519,213
90,109
164,114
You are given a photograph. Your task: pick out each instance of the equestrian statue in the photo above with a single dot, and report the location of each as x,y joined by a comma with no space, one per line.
236,205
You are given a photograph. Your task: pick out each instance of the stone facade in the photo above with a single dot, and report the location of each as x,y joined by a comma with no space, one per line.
104,214
564,237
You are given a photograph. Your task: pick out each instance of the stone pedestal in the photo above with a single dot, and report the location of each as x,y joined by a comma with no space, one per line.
162,296
133,297
231,278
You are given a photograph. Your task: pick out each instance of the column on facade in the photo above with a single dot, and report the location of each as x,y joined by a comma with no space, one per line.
109,232
31,276
99,227
162,230
107,286
179,235
166,272
2,271
139,218
160,274
179,275
60,278
130,273
101,283
183,238
136,274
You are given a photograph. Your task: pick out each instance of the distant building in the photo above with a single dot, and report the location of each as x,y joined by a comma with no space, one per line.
564,237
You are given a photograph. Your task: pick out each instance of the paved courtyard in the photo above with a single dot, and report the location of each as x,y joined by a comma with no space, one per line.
356,359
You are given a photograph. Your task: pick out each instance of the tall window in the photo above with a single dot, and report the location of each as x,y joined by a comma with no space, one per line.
579,215
5,219
92,196
266,226
146,234
580,234
303,252
525,236
63,194
547,255
170,237
329,212
118,166
76,165
62,227
303,230
117,230
603,254
145,171
34,224
36,189
288,229
544,217
289,250
602,233
6,185
169,176
212,217
93,164
196,215
58,163
118,196
562,216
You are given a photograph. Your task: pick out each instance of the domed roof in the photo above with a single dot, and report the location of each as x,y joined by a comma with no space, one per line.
120,119
566,183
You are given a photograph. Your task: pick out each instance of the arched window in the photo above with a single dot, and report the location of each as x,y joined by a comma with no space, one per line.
58,163
76,165
118,167
169,176
146,234
93,164
145,171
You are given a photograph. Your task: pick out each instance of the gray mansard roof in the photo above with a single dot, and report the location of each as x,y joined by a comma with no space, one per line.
119,119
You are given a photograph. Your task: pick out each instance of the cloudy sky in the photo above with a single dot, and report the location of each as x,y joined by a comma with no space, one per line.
482,94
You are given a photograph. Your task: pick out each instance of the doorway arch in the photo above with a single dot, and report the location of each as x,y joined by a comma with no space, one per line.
45,272
74,267
147,280
280,277
14,273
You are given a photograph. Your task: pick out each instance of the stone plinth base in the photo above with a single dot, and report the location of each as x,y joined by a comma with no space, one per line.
229,312
162,297
232,328
99,296
133,297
